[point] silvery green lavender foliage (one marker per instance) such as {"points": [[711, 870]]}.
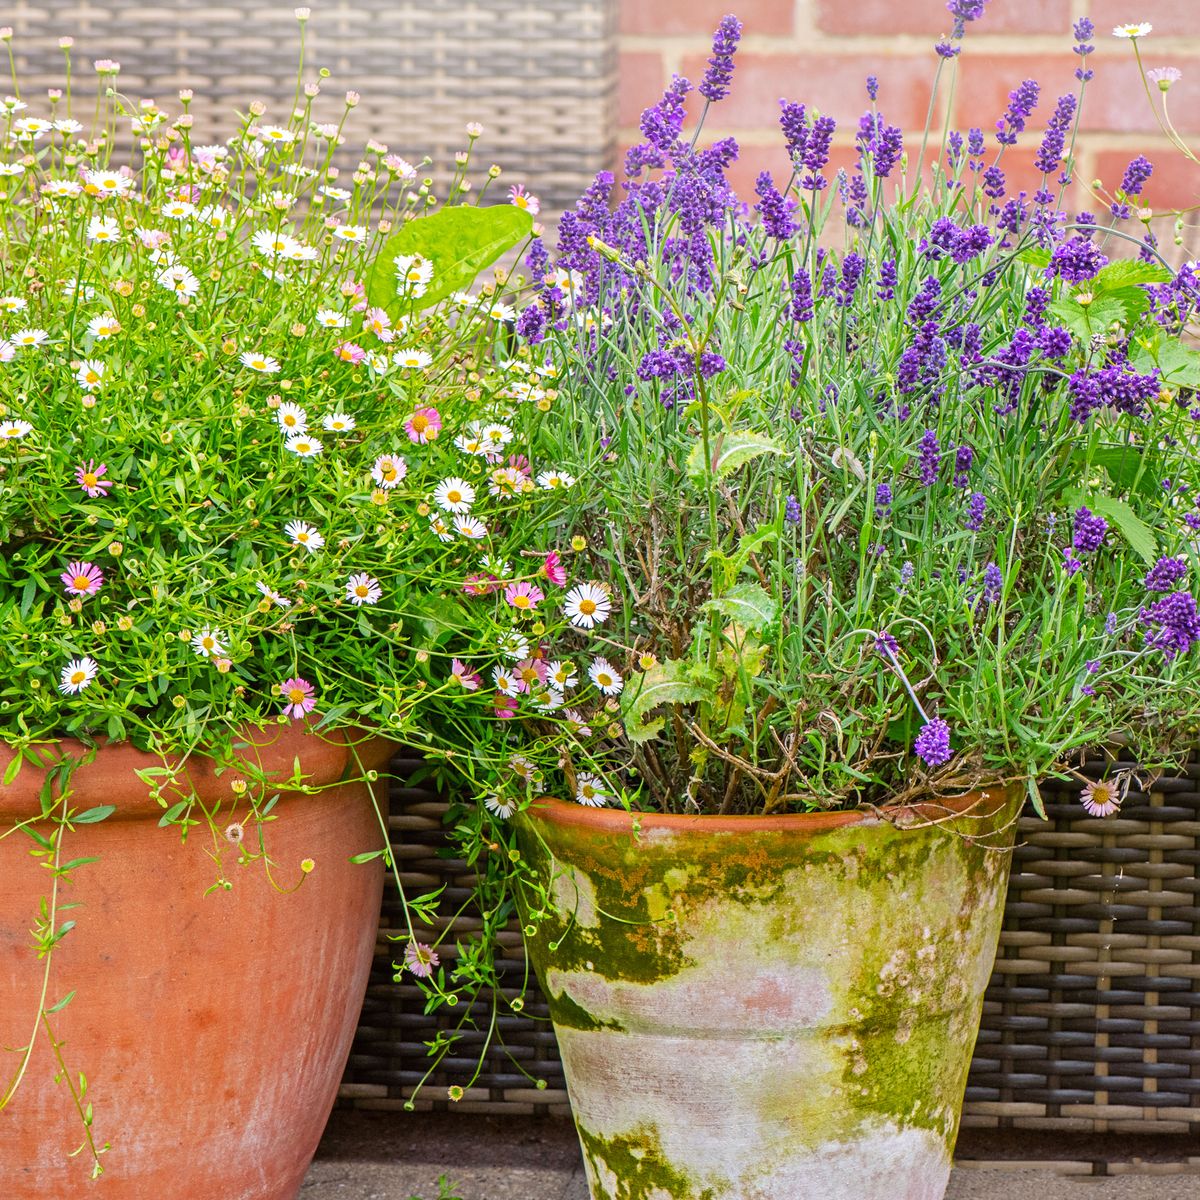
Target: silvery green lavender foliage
{"points": [[914, 515]]}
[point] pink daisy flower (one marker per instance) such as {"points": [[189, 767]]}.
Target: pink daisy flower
{"points": [[90, 478], [82, 579], [554, 570], [349, 352], [298, 697], [470, 680], [420, 959], [479, 584], [523, 596], [522, 199], [423, 425], [505, 706], [1100, 798]]}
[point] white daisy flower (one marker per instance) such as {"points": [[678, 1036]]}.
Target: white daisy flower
{"points": [[505, 481], [454, 495], [262, 363], [500, 567], [555, 479], [548, 700], [104, 327], [513, 645], [271, 244], [351, 233], [389, 470], [412, 359], [589, 791], [501, 807], [413, 273], [335, 193], [377, 362], [587, 605], [178, 279], [107, 183], [11, 170], [11, 430], [1133, 31], [506, 682], [213, 215], [606, 677], [303, 446], [31, 128], [376, 321], [7, 351], [291, 417], [329, 318], [104, 229], [90, 374], [77, 674], [470, 527], [13, 304], [300, 253], [577, 723], [274, 597], [438, 524], [304, 534], [362, 589], [67, 125], [273, 135], [562, 676], [178, 210], [502, 312], [497, 435], [61, 189], [28, 339], [207, 643], [73, 287], [337, 423]]}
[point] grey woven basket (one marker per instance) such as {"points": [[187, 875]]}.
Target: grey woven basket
{"points": [[1091, 1022], [540, 77]]}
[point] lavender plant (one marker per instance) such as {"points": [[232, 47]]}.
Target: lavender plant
{"points": [[889, 483]]}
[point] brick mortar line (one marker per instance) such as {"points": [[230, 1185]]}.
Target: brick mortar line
{"points": [[899, 45]]}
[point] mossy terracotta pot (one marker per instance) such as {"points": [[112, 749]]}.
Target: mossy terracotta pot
{"points": [[777, 1008], [212, 1029]]}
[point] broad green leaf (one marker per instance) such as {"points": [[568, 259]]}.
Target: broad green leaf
{"points": [[459, 241], [1178, 365], [93, 815], [664, 683], [13, 768], [1086, 321], [1126, 272], [1035, 257], [747, 605], [61, 1004], [366, 856], [730, 451], [1136, 532], [1123, 464]]}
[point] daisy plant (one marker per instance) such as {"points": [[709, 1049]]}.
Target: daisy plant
{"points": [[266, 456]]}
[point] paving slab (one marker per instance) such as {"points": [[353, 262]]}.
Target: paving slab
{"points": [[399, 1156]]}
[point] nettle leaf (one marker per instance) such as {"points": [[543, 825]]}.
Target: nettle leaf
{"points": [[1123, 464], [459, 241], [1084, 321], [1178, 365], [731, 451], [1127, 272], [1139, 535], [747, 605], [664, 683]]}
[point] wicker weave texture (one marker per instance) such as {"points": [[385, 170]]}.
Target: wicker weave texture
{"points": [[540, 77], [1091, 1022]]}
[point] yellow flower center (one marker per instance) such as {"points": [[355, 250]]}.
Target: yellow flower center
{"points": [[78, 677], [208, 643], [603, 679], [420, 422], [296, 696], [520, 601], [454, 496], [89, 480], [587, 606], [361, 590], [388, 471]]}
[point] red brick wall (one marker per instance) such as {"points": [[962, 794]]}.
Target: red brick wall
{"points": [[820, 51]]}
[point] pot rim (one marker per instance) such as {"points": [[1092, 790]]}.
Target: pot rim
{"points": [[325, 758], [981, 803]]}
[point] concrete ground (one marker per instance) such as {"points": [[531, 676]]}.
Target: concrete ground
{"points": [[369, 1156]]}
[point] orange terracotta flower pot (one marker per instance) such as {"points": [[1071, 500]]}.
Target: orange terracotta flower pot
{"points": [[212, 1029]]}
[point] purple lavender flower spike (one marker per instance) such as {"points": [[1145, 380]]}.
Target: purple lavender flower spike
{"points": [[1173, 624], [715, 84], [1089, 531], [1165, 574], [932, 744], [883, 499], [1076, 261], [931, 457], [773, 208], [1021, 103], [976, 508]]}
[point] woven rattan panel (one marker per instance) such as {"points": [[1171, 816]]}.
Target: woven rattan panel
{"points": [[1092, 1019], [540, 77]]}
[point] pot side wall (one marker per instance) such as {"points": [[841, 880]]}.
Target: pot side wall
{"points": [[766, 1012]]}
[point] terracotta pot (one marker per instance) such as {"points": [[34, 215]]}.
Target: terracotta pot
{"points": [[213, 1029], [767, 1008]]}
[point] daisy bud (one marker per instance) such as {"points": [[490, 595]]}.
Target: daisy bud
{"points": [[88, 401], [185, 94], [578, 543], [493, 171], [116, 549], [124, 623], [65, 43], [223, 665], [312, 90], [178, 701], [238, 787], [474, 130], [307, 865], [75, 605], [303, 13], [138, 310], [352, 99], [54, 94], [6, 34]]}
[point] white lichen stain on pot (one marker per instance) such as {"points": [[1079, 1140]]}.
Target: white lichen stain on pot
{"points": [[793, 1021]]}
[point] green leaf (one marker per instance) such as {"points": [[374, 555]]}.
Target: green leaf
{"points": [[459, 241], [172, 813], [1035, 796], [730, 451], [1126, 272], [664, 683], [13, 769], [1095, 318], [1123, 464], [61, 1004], [1035, 257], [366, 856], [95, 814], [747, 605], [1136, 532]]}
